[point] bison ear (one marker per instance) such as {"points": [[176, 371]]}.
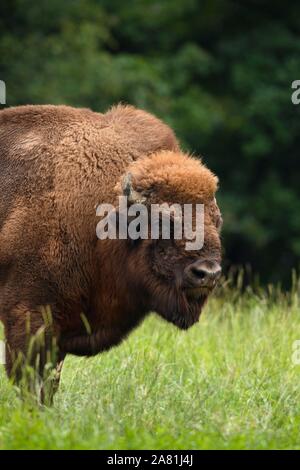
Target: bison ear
{"points": [[133, 196]]}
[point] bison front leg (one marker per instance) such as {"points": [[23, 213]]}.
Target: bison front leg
{"points": [[33, 361]]}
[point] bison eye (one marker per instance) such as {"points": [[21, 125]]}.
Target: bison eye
{"points": [[134, 243]]}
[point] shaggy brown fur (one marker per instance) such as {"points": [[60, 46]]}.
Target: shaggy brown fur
{"points": [[56, 165]]}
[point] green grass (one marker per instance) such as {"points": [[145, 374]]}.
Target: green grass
{"points": [[228, 383]]}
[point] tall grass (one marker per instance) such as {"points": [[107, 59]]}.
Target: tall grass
{"points": [[229, 382]]}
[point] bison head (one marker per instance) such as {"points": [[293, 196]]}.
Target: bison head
{"points": [[173, 281]]}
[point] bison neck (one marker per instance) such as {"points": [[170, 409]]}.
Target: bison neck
{"points": [[115, 307]]}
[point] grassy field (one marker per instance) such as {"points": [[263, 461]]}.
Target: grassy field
{"points": [[228, 383]]}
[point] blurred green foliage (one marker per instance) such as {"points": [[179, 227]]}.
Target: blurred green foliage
{"points": [[218, 71]]}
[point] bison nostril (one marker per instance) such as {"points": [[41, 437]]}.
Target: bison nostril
{"points": [[199, 273], [203, 273]]}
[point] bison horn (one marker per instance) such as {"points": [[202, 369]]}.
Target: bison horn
{"points": [[133, 196]]}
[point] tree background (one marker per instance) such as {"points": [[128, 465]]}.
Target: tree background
{"points": [[218, 71]]}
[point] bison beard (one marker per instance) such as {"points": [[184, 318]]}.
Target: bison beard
{"points": [[174, 306], [171, 304]]}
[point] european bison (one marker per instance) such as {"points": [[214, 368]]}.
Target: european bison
{"points": [[57, 164]]}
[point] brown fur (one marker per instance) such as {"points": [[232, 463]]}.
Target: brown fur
{"points": [[56, 165]]}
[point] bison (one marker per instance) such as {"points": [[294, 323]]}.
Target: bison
{"points": [[58, 281]]}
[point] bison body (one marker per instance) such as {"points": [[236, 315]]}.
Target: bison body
{"points": [[57, 164]]}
